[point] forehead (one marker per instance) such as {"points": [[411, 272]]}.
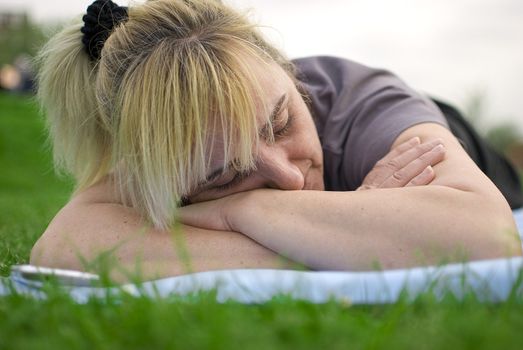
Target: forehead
{"points": [[273, 82]]}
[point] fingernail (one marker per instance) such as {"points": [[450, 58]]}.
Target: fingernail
{"points": [[415, 139], [439, 148]]}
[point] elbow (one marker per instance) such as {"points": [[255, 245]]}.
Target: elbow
{"points": [[506, 233], [494, 232], [471, 225]]}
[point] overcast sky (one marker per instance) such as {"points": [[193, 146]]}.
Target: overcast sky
{"points": [[448, 48]]}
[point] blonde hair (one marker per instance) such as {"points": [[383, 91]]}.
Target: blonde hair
{"points": [[174, 73]]}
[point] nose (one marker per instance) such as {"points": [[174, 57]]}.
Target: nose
{"points": [[278, 170]]}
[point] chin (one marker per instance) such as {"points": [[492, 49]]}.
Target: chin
{"points": [[314, 184], [320, 186]]}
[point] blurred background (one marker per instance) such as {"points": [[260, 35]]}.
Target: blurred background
{"points": [[466, 52]]}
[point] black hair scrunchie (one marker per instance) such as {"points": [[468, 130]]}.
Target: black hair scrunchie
{"points": [[102, 16]]}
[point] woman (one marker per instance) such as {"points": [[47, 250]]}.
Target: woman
{"points": [[183, 103]]}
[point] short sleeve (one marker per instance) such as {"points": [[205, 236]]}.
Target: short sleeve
{"points": [[359, 111]]}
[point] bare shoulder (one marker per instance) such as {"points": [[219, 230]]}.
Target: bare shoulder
{"points": [[96, 209], [93, 220]]}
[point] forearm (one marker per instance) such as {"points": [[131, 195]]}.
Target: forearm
{"points": [[190, 249], [391, 227], [81, 234]]}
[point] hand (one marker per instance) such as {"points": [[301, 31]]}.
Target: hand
{"points": [[213, 214], [409, 164]]}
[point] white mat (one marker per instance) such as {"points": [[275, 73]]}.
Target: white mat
{"points": [[490, 280]]}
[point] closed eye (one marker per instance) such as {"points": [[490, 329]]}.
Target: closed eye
{"points": [[284, 130], [240, 176], [237, 179]]}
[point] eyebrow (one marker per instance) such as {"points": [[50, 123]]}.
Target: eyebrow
{"points": [[275, 111]]}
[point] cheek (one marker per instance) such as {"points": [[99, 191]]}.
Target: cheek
{"points": [[305, 125], [305, 138]]}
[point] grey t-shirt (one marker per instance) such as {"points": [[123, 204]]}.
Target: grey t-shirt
{"points": [[359, 111]]}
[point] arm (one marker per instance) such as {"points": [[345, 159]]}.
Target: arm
{"points": [[81, 233], [90, 226], [461, 214]]}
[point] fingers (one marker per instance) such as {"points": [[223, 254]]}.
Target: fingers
{"points": [[414, 165], [398, 159], [410, 164], [405, 146], [387, 165], [426, 177], [407, 156]]}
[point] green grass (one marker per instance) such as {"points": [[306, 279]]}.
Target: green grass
{"points": [[30, 195]]}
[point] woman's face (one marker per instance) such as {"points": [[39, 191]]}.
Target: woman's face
{"points": [[293, 162]]}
